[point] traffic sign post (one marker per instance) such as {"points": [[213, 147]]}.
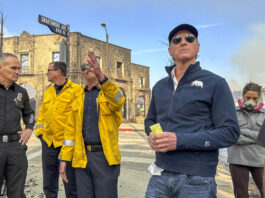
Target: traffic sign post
{"points": [[63, 30]]}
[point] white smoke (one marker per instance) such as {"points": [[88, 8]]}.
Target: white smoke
{"points": [[248, 60]]}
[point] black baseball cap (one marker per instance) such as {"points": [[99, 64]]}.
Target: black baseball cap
{"points": [[188, 27]]}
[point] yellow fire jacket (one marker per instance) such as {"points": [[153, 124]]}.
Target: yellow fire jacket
{"points": [[54, 112], [109, 105]]}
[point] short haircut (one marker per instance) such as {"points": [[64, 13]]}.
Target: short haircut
{"points": [[252, 87], [58, 65], [3, 57]]}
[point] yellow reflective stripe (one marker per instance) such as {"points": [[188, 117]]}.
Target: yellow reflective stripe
{"points": [[39, 126], [60, 157], [118, 96], [38, 134], [68, 142]]}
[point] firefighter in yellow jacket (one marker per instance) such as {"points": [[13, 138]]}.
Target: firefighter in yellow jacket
{"points": [[91, 136], [50, 127]]}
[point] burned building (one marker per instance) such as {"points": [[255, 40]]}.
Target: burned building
{"points": [[37, 51]]}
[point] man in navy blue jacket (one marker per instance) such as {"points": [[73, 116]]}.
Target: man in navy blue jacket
{"points": [[196, 111]]}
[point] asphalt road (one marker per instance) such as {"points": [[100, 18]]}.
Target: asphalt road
{"points": [[134, 177]]}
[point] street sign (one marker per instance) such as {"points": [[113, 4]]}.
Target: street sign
{"points": [[54, 26]]}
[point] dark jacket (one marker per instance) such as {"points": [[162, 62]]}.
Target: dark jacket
{"points": [[14, 102], [202, 114]]}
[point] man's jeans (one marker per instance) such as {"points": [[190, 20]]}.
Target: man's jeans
{"points": [[173, 185]]}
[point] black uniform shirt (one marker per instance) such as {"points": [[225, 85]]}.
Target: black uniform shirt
{"points": [[14, 102]]}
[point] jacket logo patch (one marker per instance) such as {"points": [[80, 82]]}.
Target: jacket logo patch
{"points": [[207, 144], [197, 83]]}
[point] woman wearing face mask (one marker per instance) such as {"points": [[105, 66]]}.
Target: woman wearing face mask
{"points": [[246, 156]]}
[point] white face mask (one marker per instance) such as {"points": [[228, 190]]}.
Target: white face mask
{"points": [[250, 105]]}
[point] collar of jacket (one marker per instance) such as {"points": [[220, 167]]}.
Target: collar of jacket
{"points": [[68, 84], [60, 86], [95, 87], [13, 86], [192, 68]]}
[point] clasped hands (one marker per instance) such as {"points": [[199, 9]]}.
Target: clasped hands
{"points": [[166, 141]]}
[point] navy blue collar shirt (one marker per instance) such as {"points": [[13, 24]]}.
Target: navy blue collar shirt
{"points": [[90, 117], [59, 88]]}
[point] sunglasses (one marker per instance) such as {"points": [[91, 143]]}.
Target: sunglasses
{"points": [[188, 37], [85, 66], [51, 70]]}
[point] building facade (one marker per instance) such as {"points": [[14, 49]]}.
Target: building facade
{"points": [[37, 51]]}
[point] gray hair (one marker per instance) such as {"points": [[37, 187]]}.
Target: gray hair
{"points": [[3, 57]]}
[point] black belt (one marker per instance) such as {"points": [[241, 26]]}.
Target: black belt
{"points": [[94, 148], [9, 138]]}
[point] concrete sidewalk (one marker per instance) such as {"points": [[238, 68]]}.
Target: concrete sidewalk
{"points": [[131, 126], [223, 178]]}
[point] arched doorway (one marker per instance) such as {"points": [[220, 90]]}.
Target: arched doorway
{"points": [[140, 106], [124, 108], [32, 94]]}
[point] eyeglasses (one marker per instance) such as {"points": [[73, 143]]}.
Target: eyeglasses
{"points": [[85, 66], [51, 70], [15, 68], [188, 37]]}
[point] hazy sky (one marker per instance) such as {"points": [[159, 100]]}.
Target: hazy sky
{"points": [[231, 32]]}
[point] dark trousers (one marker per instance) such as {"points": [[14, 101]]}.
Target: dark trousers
{"points": [[50, 168], [98, 179], [240, 178], [13, 168]]}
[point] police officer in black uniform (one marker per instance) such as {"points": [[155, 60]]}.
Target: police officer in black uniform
{"points": [[14, 103]]}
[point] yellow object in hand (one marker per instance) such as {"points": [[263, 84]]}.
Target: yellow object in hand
{"points": [[156, 128]]}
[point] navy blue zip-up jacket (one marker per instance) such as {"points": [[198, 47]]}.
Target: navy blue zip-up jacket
{"points": [[202, 114]]}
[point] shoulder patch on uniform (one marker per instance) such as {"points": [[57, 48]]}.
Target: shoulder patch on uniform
{"points": [[19, 97], [118, 96]]}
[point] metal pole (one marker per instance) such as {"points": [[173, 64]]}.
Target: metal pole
{"points": [[1, 40], [108, 62], [68, 50]]}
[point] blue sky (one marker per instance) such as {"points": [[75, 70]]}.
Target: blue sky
{"points": [[231, 32]]}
